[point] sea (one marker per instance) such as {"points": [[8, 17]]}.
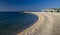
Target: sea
{"points": [[11, 22]]}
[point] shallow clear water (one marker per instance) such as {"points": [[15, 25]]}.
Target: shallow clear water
{"points": [[13, 21]]}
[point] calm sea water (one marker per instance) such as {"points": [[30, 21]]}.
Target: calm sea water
{"points": [[13, 21]]}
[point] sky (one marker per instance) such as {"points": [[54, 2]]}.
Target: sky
{"points": [[28, 5]]}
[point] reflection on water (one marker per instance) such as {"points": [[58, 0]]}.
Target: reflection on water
{"points": [[12, 21]]}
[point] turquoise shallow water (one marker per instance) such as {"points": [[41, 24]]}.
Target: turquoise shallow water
{"points": [[13, 21]]}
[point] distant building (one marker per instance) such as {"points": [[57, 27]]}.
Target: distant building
{"points": [[52, 10]]}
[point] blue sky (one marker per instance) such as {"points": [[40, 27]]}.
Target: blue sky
{"points": [[31, 5]]}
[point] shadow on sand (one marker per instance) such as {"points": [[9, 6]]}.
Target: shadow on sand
{"points": [[12, 23]]}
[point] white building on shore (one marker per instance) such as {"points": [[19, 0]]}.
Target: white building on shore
{"points": [[52, 10]]}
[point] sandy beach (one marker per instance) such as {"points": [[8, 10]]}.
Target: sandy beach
{"points": [[48, 24]]}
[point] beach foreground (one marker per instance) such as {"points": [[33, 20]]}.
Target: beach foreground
{"points": [[48, 24]]}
